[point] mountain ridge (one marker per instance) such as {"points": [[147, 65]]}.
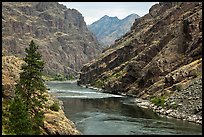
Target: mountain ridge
{"points": [[108, 29], [61, 33]]}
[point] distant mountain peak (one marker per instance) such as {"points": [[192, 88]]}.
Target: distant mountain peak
{"points": [[105, 16], [107, 29]]}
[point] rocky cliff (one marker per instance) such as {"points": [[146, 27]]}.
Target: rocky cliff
{"points": [[61, 33], [108, 29], [56, 123], [159, 57]]}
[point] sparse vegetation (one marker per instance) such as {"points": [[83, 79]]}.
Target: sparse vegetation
{"points": [[55, 107], [118, 75], [159, 101], [196, 73], [61, 77], [58, 77], [178, 87], [99, 83]]}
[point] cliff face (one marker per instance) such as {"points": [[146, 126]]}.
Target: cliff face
{"points": [[56, 123], [161, 54], [61, 33], [108, 29]]}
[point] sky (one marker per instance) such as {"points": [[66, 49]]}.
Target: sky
{"points": [[93, 11]]}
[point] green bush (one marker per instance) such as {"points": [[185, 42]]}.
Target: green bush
{"points": [[59, 77], [70, 77], [55, 107], [159, 101]]}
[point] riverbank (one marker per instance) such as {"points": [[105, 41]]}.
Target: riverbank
{"points": [[170, 113], [56, 122], [185, 104]]}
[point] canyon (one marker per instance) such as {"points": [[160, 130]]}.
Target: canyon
{"points": [[156, 60]]}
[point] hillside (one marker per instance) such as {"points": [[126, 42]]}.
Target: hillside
{"points": [[158, 58], [61, 33], [55, 121], [108, 29]]}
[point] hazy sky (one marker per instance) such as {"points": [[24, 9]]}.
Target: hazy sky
{"points": [[93, 11]]}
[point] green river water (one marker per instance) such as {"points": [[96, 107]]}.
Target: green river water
{"points": [[97, 113]]}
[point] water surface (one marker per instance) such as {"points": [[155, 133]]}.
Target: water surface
{"points": [[97, 113]]}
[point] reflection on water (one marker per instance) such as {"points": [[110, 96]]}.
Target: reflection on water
{"points": [[113, 116], [106, 114]]}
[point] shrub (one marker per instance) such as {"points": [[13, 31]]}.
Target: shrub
{"points": [[55, 107], [117, 75], [99, 83], [59, 77], [70, 77], [159, 101]]}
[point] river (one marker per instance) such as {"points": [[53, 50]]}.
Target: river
{"points": [[97, 113]]}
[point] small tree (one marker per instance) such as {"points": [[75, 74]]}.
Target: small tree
{"points": [[30, 89]]}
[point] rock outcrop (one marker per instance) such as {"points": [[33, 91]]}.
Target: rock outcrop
{"points": [[108, 29], [61, 33], [161, 54], [56, 123]]}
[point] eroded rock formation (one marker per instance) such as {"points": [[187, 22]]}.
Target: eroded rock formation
{"points": [[61, 33]]}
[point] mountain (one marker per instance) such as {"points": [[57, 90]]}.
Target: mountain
{"points": [[61, 34], [161, 57], [108, 29]]}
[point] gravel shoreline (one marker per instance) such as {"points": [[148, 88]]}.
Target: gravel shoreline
{"points": [[185, 104], [168, 112]]}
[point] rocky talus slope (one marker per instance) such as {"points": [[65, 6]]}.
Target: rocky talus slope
{"points": [[185, 104], [61, 33], [159, 56], [56, 123], [108, 29]]}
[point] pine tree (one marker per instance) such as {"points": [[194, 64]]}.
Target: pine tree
{"points": [[19, 120], [30, 89]]}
